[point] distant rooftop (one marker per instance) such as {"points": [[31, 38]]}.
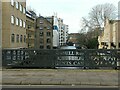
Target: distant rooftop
{"points": [[31, 14]]}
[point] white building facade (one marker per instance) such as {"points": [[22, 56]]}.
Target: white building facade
{"points": [[55, 32], [63, 32], [66, 33], [60, 32]]}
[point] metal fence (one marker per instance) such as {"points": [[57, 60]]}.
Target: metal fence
{"points": [[87, 58]]}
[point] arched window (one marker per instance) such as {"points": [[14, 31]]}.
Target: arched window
{"points": [[24, 24], [21, 38], [20, 7], [20, 22], [48, 40], [17, 5], [17, 38], [12, 38], [24, 10], [48, 47], [12, 2], [17, 21], [12, 19]]}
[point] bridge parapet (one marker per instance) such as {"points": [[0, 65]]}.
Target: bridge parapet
{"points": [[87, 58]]}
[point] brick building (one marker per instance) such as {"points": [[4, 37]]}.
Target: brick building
{"points": [[44, 33], [30, 29], [14, 24]]}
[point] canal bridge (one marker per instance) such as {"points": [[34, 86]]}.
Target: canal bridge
{"points": [[81, 58]]}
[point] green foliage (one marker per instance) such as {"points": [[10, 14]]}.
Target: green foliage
{"points": [[92, 43], [86, 40]]}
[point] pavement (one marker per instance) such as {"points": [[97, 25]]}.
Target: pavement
{"points": [[60, 77]]}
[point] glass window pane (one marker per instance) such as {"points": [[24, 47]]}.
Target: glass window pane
{"points": [[20, 22], [17, 5], [24, 11], [20, 7], [17, 21], [24, 24], [12, 2], [12, 38], [12, 19], [17, 38]]}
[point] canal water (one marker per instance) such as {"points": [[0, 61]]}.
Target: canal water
{"points": [[68, 47]]}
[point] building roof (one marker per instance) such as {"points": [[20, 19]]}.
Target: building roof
{"points": [[31, 14]]}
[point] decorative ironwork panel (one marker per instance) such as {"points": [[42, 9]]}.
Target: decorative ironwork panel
{"points": [[70, 58], [101, 58], [61, 58]]}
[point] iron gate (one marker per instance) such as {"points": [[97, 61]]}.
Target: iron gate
{"points": [[31, 58]]}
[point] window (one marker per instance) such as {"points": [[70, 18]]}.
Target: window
{"points": [[12, 19], [29, 26], [24, 10], [41, 46], [20, 22], [113, 45], [41, 33], [55, 28], [48, 46], [21, 38], [102, 43], [41, 22], [48, 27], [48, 33], [24, 24], [20, 7], [12, 2], [41, 28], [12, 38], [17, 38], [17, 4], [29, 44], [24, 38], [17, 21], [48, 40]]}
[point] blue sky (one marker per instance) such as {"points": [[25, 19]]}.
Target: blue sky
{"points": [[71, 11]]}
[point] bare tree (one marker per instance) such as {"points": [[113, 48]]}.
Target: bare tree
{"points": [[92, 24], [97, 15]]}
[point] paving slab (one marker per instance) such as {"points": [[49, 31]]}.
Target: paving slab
{"points": [[59, 77], [50, 82]]}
